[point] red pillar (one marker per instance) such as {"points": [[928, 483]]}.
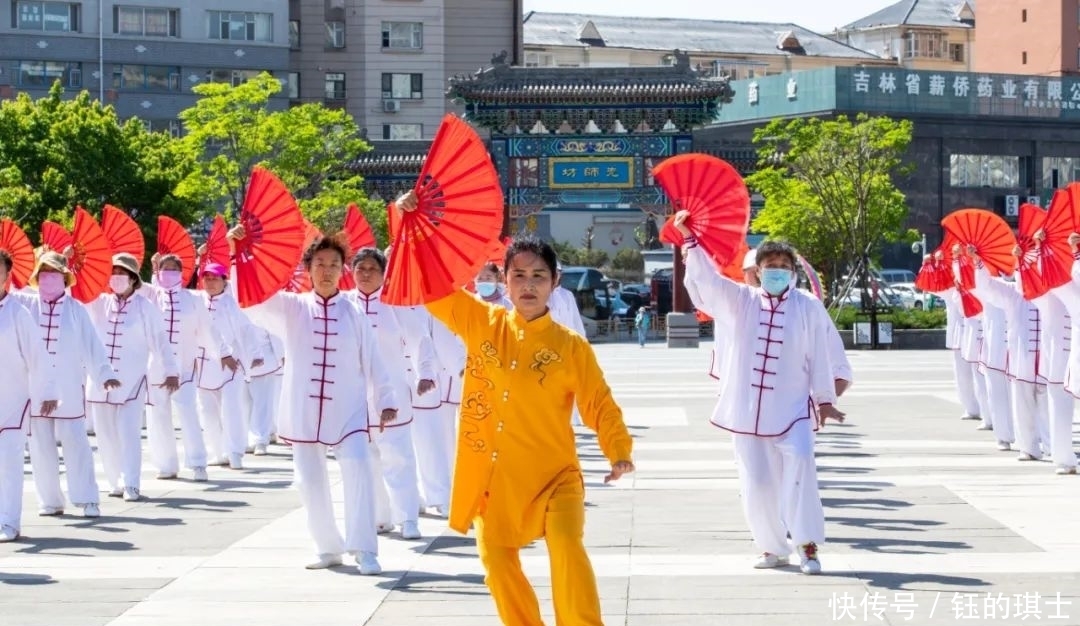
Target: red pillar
{"points": [[680, 300]]}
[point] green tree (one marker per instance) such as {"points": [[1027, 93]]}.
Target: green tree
{"points": [[628, 259], [56, 154], [309, 147], [829, 185]]}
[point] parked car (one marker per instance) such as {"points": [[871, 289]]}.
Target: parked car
{"points": [[896, 276], [915, 298]]}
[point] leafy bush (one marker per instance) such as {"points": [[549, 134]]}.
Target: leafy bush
{"points": [[628, 259], [902, 319]]}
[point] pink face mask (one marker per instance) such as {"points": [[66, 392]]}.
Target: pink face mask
{"points": [[169, 279], [50, 285]]}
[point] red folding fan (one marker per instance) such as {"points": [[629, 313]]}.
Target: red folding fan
{"points": [[988, 233], [92, 261], [1073, 191], [14, 240], [715, 196], [972, 306], [670, 234], [55, 237], [497, 255], [122, 233], [734, 268], [273, 243], [217, 247], [1055, 253], [393, 223], [935, 276], [443, 243], [172, 238], [300, 281], [1032, 219], [360, 236]]}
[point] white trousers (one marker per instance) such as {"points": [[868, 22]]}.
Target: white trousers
{"points": [[119, 441], [78, 461], [778, 480], [261, 400], [982, 398], [313, 482], [965, 384], [395, 481], [224, 420], [435, 443], [162, 436], [1060, 406], [12, 443], [1029, 412], [999, 401]]}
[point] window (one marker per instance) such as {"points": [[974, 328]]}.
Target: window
{"points": [[335, 86], [233, 77], [1023, 57], [45, 73], [57, 17], [403, 35], [146, 21], [524, 172], [1023, 15], [984, 170], [335, 34], [146, 77], [402, 86], [294, 85], [535, 59], [239, 26], [956, 52], [402, 132], [924, 44], [294, 34], [1058, 172]]}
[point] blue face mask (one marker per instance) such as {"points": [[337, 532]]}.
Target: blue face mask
{"points": [[486, 290], [775, 280]]}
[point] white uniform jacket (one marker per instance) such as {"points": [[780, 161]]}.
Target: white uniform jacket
{"points": [[1023, 321], [236, 331], [24, 365], [188, 325], [134, 337]]}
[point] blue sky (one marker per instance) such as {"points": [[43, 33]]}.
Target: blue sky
{"points": [[815, 15]]}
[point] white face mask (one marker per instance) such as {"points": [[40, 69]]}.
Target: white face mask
{"points": [[119, 284]]}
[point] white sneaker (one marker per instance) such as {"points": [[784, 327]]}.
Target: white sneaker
{"points": [[1065, 470], [131, 494], [166, 476], [410, 530], [236, 461], [368, 564], [382, 529], [442, 511], [200, 475], [1004, 446], [260, 450], [808, 560], [91, 510], [326, 561], [7, 533], [116, 492], [984, 427], [50, 511], [1024, 456], [769, 561]]}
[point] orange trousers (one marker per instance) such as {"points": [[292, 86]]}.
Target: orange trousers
{"points": [[574, 593]]}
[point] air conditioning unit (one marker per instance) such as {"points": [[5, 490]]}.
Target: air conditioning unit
{"points": [[1012, 206], [391, 106]]}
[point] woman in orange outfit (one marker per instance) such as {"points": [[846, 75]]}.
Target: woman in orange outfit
{"points": [[517, 476]]}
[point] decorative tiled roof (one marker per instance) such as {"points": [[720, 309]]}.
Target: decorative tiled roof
{"points": [[388, 164], [696, 36], [936, 13]]}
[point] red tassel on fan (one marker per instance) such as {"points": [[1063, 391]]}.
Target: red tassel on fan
{"points": [[440, 247], [972, 305], [1055, 254], [714, 194], [988, 233], [1032, 219], [172, 238]]}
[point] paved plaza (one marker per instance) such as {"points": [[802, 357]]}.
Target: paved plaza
{"points": [[927, 524]]}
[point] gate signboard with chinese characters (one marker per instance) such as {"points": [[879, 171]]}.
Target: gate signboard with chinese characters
{"points": [[591, 173]]}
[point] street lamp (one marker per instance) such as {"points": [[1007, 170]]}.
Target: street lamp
{"points": [[919, 247]]}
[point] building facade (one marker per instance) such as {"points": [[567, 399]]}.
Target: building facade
{"points": [[980, 140], [1044, 37], [387, 62], [148, 55], [716, 48], [921, 34]]}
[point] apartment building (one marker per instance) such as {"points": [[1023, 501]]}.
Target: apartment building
{"points": [[1043, 37], [387, 61], [141, 56], [920, 34]]}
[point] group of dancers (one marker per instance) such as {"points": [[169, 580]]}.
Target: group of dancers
{"points": [[1016, 361]]}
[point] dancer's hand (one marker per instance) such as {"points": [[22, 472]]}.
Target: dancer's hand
{"points": [[229, 363], [618, 469], [171, 384], [424, 386], [840, 386], [387, 416], [829, 412], [47, 407], [407, 201], [680, 222], [1074, 241]]}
